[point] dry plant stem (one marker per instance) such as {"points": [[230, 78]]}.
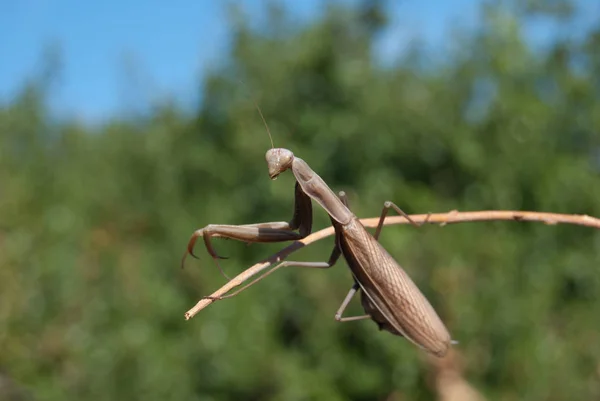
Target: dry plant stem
{"points": [[433, 218]]}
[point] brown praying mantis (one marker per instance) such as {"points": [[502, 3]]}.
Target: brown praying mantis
{"points": [[388, 295]]}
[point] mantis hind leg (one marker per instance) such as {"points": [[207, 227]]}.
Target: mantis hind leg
{"points": [[342, 308]]}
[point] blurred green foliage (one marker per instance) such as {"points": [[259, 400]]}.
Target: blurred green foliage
{"points": [[93, 221]]}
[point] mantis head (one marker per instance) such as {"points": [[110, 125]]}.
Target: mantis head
{"points": [[278, 160]]}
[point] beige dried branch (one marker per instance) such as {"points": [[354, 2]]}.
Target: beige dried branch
{"points": [[433, 218]]}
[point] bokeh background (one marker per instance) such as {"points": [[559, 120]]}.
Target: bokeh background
{"points": [[125, 127]]}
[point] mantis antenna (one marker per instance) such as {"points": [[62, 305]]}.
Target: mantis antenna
{"points": [[265, 122]]}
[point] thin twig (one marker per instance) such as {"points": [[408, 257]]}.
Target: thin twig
{"points": [[433, 218]]}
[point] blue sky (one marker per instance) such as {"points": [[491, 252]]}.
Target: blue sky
{"points": [[116, 53]]}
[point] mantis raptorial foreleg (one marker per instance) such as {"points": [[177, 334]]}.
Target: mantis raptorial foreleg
{"points": [[278, 231], [333, 258]]}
